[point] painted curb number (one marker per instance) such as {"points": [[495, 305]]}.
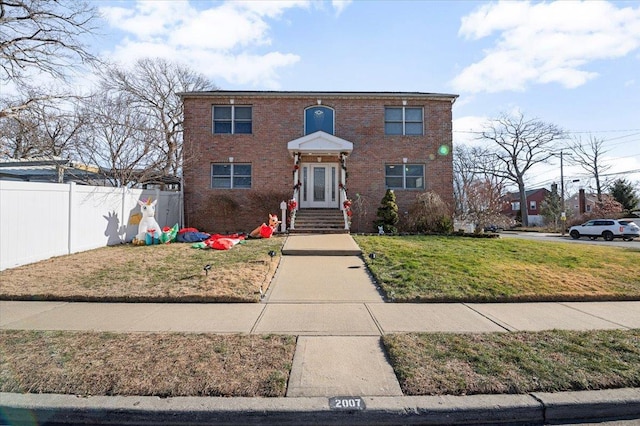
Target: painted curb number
{"points": [[346, 403]]}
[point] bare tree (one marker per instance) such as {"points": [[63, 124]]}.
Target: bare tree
{"points": [[478, 193], [42, 128], [464, 172], [518, 145], [588, 155], [115, 139], [485, 204], [41, 36], [152, 87]]}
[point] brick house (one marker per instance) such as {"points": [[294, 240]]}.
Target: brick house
{"points": [[247, 151], [534, 201]]}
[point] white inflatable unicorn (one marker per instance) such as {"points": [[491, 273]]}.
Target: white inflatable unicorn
{"points": [[148, 220]]}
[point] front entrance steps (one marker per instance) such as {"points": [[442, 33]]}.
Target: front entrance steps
{"points": [[319, 221]]}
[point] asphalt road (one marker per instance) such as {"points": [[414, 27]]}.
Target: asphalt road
{"points": [[542, 236]]}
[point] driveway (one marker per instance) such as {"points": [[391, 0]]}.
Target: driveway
{"points": [[544, 236]]}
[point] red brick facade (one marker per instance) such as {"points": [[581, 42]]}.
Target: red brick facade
{"points": [[277, 119]]}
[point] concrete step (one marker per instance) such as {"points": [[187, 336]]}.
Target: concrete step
{"points": [[319, 221]]}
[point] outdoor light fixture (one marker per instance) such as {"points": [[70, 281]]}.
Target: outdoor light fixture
{"points": [[231, 159], [404, 160], [272, 253], [206, 269], [231, 101]]}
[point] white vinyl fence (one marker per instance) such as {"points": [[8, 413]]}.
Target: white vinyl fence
{"points": [[42, 220]]}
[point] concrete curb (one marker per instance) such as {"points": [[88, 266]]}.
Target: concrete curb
{"points": [[539, 408]]}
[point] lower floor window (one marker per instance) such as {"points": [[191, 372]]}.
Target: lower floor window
{"points": [[404, 176], [230, 175]]}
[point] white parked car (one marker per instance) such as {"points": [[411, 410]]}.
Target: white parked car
{"points": [[607, 229]]}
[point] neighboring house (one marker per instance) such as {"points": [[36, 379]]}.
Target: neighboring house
{"points": [[247, 151], [534, 201], [58, 170], [581, 203]]}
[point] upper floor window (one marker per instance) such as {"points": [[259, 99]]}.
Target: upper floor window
{"points": [[318, 118], [231, 175], [404, 176], [403, 121], [532, 205], [232, 119], [515, 205]]}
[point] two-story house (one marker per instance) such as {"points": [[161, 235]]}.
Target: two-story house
{"points": [[535, 197], [247, 151]]}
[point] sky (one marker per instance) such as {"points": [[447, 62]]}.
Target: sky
{"points": [[573, 64]]}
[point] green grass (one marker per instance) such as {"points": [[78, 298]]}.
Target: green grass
{"points": [[430, 268], [517, 363]]}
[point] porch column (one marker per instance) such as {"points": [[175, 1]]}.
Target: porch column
{"points": [[343, 179], [296, 176], [296, 189]]}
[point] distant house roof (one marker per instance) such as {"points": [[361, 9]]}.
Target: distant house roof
{"points": [[515, 196], [57, 170], [49, 170]]}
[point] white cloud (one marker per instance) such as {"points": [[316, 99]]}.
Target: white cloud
{"points": [[466, 129], [340, 5], [229, 40], [545, 43]]}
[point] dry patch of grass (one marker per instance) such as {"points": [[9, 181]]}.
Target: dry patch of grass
{"points": [[159, 273], [523, 362], [429, 268], [165, 365]]}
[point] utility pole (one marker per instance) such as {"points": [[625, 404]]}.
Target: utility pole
{"points": [[563, 213]]}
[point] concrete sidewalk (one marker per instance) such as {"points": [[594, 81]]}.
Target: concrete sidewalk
{"points": [[324, 318], [323, 293]]}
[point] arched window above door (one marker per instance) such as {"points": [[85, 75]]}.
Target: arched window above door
{"points": [[319, 118]]}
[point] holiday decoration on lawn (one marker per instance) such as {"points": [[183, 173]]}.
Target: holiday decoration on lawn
{"points": [[149, 232], [148, 223], [264, 230]]}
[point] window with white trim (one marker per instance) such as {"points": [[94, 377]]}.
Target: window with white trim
{"points": [[403, 121], [232, 119], [231, 176], [404, 176], [532, 205]]}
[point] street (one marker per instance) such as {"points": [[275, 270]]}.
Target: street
{"points": [[545, 236]]}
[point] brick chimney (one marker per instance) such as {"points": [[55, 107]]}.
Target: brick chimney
{"points": [[582, 201]]}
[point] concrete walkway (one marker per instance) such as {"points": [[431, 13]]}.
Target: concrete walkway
{"points": [[323, 293]]}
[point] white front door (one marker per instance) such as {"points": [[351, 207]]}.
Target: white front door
{"points": [[319, 185]]}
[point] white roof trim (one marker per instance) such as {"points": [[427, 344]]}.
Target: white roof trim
{"points": [[318, 143]]}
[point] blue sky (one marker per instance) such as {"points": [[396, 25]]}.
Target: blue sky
{"points": [[574, 64]]}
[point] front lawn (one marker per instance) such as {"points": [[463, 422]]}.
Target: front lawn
{"points": [[180, 364], [159, 273], [520, 363], [434, 269], [163, 364]]}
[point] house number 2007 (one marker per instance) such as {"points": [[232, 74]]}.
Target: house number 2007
{"points": [[346, 403]]}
